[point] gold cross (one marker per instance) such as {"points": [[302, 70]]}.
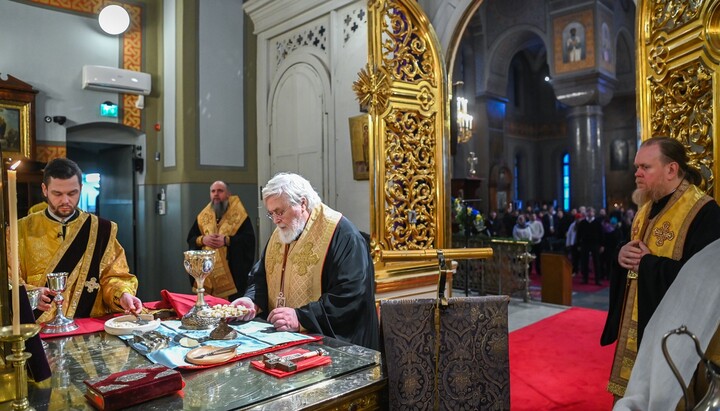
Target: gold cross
{"points": [[92, 285], [305, 258], [663, 234]]}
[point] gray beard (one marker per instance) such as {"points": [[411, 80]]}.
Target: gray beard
{"points": [[220, 209], [292, 232]]}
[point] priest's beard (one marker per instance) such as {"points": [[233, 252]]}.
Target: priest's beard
{"points": [[640, 196], [292, 231], [220, 209]]}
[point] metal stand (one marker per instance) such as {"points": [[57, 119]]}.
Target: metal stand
{"points": [[18, 358], [526, 257], [468, 229]]}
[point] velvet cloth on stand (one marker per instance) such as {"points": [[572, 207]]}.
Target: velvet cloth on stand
{"points": [[473, 371]]}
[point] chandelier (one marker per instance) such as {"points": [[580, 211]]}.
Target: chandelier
{"points": [[464, 121]]}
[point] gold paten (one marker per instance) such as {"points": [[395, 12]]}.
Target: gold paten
{"points": [[678, 57]]}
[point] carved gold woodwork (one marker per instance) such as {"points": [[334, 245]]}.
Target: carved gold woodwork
{"points": [[678, 58], [403, 88]]}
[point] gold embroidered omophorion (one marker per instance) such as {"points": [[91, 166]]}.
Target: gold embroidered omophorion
{"points": [[665, 236], [305, 258], [220, 282]]}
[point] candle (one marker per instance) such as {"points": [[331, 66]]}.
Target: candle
{"points": [[14, 260]]}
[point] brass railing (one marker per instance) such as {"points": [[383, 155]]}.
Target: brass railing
{"points": [[505, 273]]}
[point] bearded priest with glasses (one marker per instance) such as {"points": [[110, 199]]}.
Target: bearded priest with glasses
{"points": [[316, 273]]}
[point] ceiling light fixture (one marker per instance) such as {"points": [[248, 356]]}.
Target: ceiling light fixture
{"points": [[114, 19]]}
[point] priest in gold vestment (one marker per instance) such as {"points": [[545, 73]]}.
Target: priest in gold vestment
{"points": [[316, 273], [674, 222], [65, 238], [223, 225]]}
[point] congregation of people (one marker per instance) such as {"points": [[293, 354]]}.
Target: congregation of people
{"points": [[589, 238]]}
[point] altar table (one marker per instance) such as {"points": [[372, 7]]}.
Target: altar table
{"points": [[354, 380]]}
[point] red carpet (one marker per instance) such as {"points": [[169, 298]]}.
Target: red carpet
{"points": [[558, 363]]}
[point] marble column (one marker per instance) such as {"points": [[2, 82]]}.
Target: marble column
{"points": [[587, 175]]}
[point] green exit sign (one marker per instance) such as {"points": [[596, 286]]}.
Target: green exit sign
{"points": [[108, 109]]}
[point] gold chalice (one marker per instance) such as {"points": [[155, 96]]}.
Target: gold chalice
{"points": [[60, 324], [199, 264]]}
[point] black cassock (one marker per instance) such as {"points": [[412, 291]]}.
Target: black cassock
{"points": [[346, 308], [656, 274]]}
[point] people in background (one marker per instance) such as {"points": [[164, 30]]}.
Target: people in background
{"points": [[675, 220], [537, 234], [316, 273], [223, 225], [589, 242], [521, 231], [64, 238]]}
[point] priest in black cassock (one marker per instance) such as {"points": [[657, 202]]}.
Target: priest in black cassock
{"points": [[316, 273], [675, 221]]}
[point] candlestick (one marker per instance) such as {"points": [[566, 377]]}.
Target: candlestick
{"points": [[14, 260]]}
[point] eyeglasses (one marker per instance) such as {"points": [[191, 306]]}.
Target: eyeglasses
{"points": [[272, 214]]}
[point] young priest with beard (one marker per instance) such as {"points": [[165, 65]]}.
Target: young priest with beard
{"points": [[223, 225], [316, 273], [675, 220]]}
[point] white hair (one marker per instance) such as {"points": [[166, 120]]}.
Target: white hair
{"points": [[293, 187]]}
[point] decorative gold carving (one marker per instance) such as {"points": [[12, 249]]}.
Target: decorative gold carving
{"points": [[658, 56], [682, 108], [668, 15], [405, 53], [410, 181], [404, 90], [372, 90]]}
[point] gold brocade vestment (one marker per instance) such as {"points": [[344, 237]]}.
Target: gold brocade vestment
{"points": [[665, 236], [305, 260], [42, 245], [220, 282]]}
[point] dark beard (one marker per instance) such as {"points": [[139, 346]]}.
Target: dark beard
{"points": [[220, 209]]}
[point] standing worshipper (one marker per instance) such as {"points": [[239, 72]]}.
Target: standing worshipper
{"points": [[316, 273], [675, 220], [63, 238], [223, 225], [589, 241], [538, 233]]}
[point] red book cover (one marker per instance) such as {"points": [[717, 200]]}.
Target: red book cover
{"points": [[125, 388]]}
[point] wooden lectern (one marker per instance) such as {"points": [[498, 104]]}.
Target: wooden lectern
{"points": [[556, 279]]}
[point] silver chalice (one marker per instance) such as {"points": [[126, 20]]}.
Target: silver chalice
{"points": [[60, 324], [199, 264]]}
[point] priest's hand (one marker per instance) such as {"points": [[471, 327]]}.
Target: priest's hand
{"points": [[214, 240], [46, 297], [247, 303], [130, 303], [284, 319], [631, 253]]}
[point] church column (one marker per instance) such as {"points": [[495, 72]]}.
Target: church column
{"points": [[587, 175]]}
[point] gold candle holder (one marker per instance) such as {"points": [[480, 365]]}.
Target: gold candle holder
{"points": [[18, 358]]}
